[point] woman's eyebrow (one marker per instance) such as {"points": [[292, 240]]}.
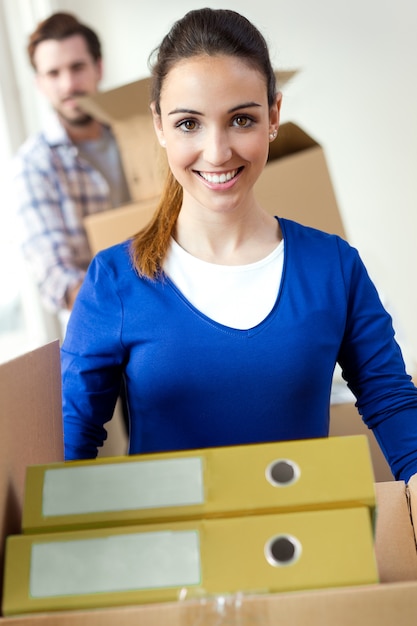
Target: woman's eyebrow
{"points": [[188, 111], [244, 105]]}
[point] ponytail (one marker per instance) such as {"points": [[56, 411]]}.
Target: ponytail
{"points": [[150, 245]]}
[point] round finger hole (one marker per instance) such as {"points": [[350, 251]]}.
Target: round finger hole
{"points": [[282, 550], [282, 472]]}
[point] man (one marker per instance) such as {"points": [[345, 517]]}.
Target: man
{"points": [[70, 169]]}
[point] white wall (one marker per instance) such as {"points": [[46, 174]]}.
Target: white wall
{"points": [[356, 94]]}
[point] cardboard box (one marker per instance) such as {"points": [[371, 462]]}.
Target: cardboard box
{"points": [[395, 534], [371, 605], [126, 110], [296, 182], [30, 428], [31, 384], [116, 225]]}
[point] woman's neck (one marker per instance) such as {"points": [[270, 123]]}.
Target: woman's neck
{"points": [[226, 239]]}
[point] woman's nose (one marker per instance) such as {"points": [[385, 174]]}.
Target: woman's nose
{"points": [[217, 147]]}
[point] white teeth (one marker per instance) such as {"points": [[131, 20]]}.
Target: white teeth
{"points": [[218, 178]]}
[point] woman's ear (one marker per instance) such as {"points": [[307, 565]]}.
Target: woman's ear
{"points": [[157, 124], [274, 115]]}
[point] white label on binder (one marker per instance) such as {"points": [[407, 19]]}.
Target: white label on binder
{"points": [[123, 486], [125, 562]]}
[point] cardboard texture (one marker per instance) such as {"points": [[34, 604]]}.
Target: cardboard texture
{"points": [[30, 427], [371, 605], [334, 472], [394, 538], [151, 563], [296, 183], [116, 225], [126, 110], [412, 490]]}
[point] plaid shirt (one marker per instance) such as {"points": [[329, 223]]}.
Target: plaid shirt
{"points": [[54, 190]]}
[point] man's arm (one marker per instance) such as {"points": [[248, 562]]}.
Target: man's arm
{"points": [[55, 250]]}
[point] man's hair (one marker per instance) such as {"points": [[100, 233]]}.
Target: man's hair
{"points": [[60, 26]]}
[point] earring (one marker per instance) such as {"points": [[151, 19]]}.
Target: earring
{"points": [[273, 135], [163, 143]]}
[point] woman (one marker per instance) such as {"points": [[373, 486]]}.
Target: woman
{"points": [[224, 322]]}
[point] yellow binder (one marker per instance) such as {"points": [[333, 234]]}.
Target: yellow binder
{"points": [[238, 480], [161, 562]]}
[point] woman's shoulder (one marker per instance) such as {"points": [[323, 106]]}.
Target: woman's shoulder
{"points": [[319, 249], [292, 227], [297, 233], [115, 258]]}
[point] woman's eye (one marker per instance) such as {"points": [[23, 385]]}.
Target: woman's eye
{"points": [[243, 121], [187, 125]]}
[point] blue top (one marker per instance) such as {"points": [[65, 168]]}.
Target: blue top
{"points": [[194, 383]]}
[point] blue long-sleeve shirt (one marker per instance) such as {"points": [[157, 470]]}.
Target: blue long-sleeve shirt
{"points": [[193, 383]]}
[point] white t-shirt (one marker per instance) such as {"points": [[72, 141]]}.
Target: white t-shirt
{"points": [[238, 296]]}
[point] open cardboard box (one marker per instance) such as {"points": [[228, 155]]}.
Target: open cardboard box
{"points": [[30, 428], [31, 433]]}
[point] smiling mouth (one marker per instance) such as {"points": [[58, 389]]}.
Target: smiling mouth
{"points": [[219, 178]]}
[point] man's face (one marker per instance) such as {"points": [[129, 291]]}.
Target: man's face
{"points": [[65, 70]]}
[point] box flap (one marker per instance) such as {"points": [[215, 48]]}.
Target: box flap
{"points": [[412, 499], [373, 605], [394, 542], [292, 139], [283, 77], [30, 427], [296, 182], [126, 110], [123, 102]]}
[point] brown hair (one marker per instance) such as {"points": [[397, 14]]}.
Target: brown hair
{"points": [[201, 31], [59, 26]]}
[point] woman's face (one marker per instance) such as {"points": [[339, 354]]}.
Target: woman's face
{"points": [[215, 124]]}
